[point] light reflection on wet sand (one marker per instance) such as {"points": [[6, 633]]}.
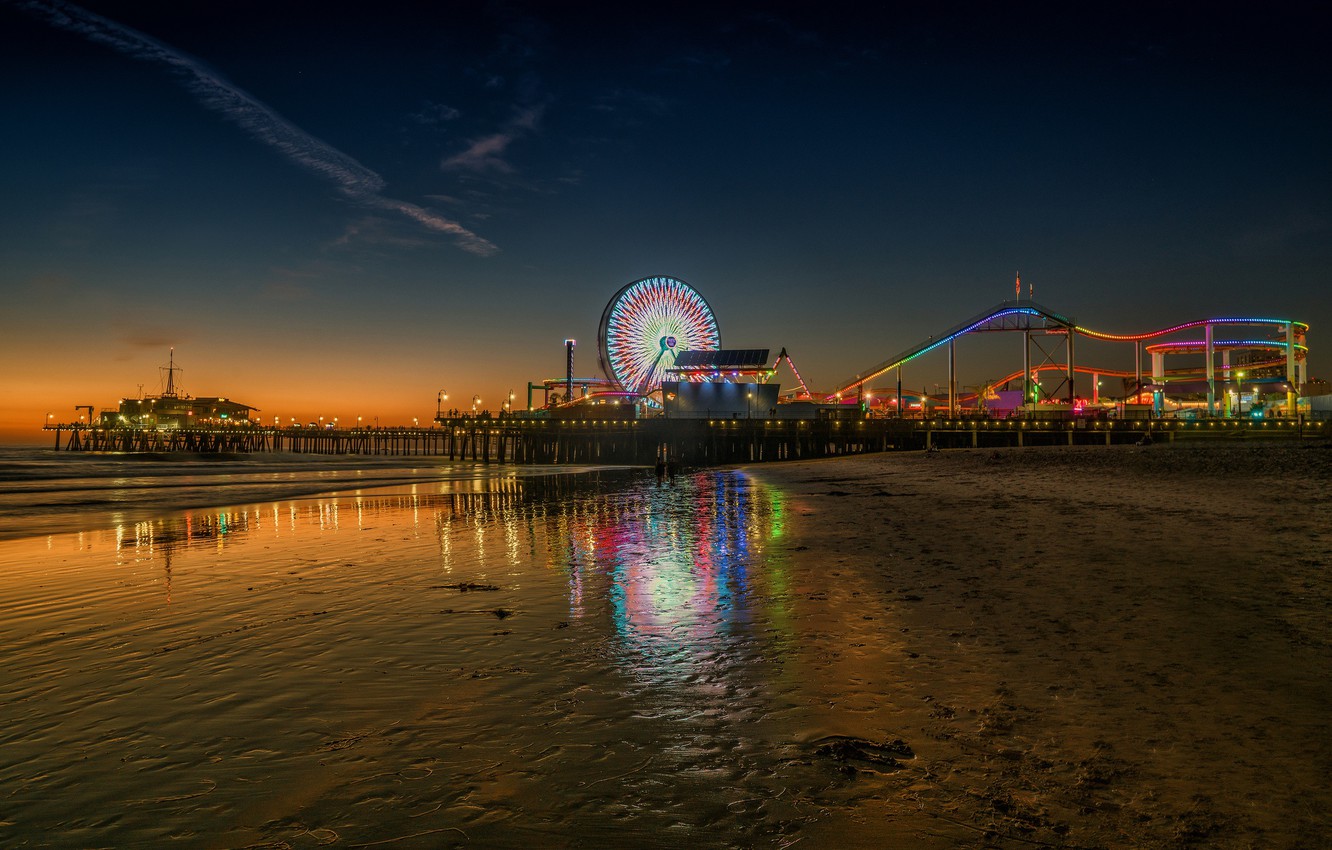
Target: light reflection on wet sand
{"points": [[553, 661]]}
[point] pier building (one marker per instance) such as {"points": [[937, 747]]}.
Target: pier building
{"points": [[174, 410]]}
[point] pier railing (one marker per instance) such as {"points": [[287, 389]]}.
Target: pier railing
{"points": [[646, 441]]}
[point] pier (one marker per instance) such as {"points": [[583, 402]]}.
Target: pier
{"points": [[645, 441]]}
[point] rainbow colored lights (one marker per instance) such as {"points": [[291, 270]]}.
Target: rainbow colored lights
{"points": [[1054, 323], [645, 324], [1232, 320], [1222, 345]]}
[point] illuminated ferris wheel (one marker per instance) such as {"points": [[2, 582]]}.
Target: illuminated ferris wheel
{"points": [[645, 324]]}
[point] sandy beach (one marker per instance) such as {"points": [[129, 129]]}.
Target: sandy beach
{"points": [[1090, 648], [1085, 648]]}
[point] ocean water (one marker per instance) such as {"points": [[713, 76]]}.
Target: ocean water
{"points": [[44, 491], [584, 659]]}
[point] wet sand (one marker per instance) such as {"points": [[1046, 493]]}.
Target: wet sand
{"points": [[1072, 647], [1085, 647]]}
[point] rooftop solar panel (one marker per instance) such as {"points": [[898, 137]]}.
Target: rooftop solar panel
{"points": [[721, 358]]}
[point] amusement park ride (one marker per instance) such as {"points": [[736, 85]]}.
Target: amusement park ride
{"points": [[653, 331]]}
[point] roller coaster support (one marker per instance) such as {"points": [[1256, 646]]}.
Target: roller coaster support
{"points": [[1137, 372], [1211, 370], [899, 390], [1292, 377], [1026, 367], [1158, 378], [952, 378], [1071, 397]]}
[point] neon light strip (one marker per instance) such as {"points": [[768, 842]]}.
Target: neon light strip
{"points": [[968, 329], [1231, 320], [1227, 320], [1220, 344], [791, 363], [999, 315], [1173, 374]]}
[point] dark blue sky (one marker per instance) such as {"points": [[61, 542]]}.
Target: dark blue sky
{"points": [[317, 201]]}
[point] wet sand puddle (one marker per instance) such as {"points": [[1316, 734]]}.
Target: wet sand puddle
{"points": [[554, 664]]}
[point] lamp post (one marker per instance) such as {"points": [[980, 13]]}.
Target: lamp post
{"points": [[439, 403], [749, 404], [476, 399], [48, 419]]}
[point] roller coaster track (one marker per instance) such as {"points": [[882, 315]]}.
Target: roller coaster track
{"points": [[1027, 315], [1062, 368]]}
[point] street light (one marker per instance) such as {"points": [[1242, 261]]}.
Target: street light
{"points": [[476, 399], [439, 403], [749, 404]]}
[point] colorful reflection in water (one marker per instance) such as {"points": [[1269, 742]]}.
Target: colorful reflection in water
{"points": [[670, 563], [679, 568]]}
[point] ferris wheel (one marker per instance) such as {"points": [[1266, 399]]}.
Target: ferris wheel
{"points": [[645, 324]]}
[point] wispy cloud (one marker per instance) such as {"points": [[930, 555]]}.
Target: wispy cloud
{"points": [[151, 337], [433, 114], [356, 182], [486, 154], [373, 230]]}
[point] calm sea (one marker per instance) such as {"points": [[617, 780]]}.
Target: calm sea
{"points": [[44, 491]]}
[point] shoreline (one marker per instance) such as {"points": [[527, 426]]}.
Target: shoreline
{"points": [[97, 492]]}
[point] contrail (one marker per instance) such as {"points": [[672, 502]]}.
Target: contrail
{"points": [[353, 180]]}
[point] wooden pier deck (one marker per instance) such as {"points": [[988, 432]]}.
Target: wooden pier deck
{"points": [[645, 441]]}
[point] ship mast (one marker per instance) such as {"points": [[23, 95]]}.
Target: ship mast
{"points": [[171, 371]]}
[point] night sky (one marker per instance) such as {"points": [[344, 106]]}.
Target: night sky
{"points": [[340, 210]]}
